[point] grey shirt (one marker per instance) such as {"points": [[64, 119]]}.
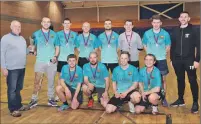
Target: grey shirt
{"points": [[13, 52], [135, 44]]}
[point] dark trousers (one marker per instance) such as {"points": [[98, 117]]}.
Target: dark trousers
{"points": [[15, 80], [180, 66]]}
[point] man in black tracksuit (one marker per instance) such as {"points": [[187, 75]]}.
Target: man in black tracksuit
{"points": [[184, 41]]}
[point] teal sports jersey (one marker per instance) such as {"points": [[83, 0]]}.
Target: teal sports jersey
{"points": [[150, 80], [156, 43], [125, 78], [86, 44], [96, 76], [109, 50], [45, 50], [67, 44], [68, 76]]}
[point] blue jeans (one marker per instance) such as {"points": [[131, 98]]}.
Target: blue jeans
{"points": [[15, 80]]}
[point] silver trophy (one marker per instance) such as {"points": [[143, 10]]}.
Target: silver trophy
{"points": [[31, 47]]}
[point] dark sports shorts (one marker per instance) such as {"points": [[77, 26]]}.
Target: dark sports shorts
{"points": [[82, 61], [119, 102], [111, 66], [134, 63], [146, 103], [100, 92], [60, 65], [79, 96], [162, 66]]}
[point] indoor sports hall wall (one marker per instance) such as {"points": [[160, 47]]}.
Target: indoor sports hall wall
{"points": [[29, 13]]}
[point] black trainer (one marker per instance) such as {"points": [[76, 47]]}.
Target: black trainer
{"points": [[177, 103], [195, 107]]}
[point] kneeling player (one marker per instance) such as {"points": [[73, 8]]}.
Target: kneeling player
{"points": [[71, 80], [125, 81], [150, 86], [96, 80]]}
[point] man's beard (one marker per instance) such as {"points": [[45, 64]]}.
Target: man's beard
{"points": [[108, 28], [93, 63]]}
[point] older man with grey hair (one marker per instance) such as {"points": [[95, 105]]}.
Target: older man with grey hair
{"points": [[13, 62]]}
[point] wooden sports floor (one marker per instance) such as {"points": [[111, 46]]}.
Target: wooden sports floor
{"points": [[44, 114]]}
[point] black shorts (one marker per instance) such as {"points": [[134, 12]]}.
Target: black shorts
{"points": [[82, 61], [162, 66], [60, 65], [146, 103], [79, 96], [134, 63], [119, 102], [111, 66], [100, 92]]}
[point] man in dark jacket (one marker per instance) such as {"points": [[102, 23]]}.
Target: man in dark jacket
{"points": [[184, 41]]}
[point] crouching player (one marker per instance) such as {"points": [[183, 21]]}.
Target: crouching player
{"points": [[96, 80], [150, 86], [71, 80], [125, 81]]}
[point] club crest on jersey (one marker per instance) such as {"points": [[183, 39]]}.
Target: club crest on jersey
{"points": [[161, 36], [129, 73], [52, 36], [76, 76], [72, 36], [187, 35], [98, 70], [113, 37]]}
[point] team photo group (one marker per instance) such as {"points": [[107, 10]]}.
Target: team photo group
{"points": [[86, 64]]}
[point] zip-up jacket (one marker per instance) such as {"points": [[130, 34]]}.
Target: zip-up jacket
{"points": [[184, 42]]}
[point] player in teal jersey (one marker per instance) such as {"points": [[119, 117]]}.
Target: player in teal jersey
{"points": [[150, 85], [71, 80], [85, 43], [125, 81], [47, 45], [96, 80], [109, 46]]}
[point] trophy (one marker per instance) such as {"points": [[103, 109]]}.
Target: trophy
{"points": [[31, 47]]}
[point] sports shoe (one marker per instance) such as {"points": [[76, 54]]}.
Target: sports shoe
{"points": [[90, 103], [177, 103], [63, 107], [131, 107], [52, 103], [32, 103], [195, 107]]}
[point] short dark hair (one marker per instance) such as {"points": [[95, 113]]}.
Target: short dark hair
{"points": [[128, 20], [67, 19], [152, 55], [125, 52], [71, 56], [156, 17], [184, 12], [108, 20]]}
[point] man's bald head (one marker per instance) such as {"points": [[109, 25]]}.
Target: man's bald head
{"points": [[15, 27]]}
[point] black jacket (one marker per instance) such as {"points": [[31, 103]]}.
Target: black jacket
{"points": [[184, 42]]}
